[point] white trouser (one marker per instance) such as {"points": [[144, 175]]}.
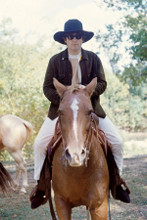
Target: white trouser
{"points": [[46, 133]]}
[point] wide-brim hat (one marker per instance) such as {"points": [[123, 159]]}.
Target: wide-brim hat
{"points": [[72, 26]]}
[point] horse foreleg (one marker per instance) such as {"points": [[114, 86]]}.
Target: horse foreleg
{"points": [[101, 212], [21, 168], [24, 177], [16, 180], [63, 208]]}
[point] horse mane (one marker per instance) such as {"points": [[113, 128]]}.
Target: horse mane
{"points": [[74, 88]]}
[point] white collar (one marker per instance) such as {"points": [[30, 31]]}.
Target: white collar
{"points": [[77, 56]]}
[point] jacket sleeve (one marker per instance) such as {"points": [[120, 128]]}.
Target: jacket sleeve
{"points": [[101, 80], [48, 87]]}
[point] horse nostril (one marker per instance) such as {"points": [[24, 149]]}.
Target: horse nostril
{"points": [[67, 154], [83, 152]]}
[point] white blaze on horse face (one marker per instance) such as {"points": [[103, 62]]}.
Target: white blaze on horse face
{"points": [[75, 108]]}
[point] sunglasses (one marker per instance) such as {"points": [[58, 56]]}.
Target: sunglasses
{"points": [[76, 35]]}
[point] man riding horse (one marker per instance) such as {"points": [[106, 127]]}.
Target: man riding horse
{"points": [[81, 66]]}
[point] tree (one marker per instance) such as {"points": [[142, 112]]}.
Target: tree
{"points": [[125, 110], [132, 29]]}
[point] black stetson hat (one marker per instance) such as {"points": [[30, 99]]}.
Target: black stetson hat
{"points": [[72, 26]]}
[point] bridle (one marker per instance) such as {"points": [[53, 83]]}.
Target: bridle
{"points": [[93, 130]]}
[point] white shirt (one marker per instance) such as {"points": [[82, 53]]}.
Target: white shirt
{"points": [[78, 57]]}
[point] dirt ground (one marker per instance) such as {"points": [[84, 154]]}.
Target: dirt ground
{"points": [[17, 206]]}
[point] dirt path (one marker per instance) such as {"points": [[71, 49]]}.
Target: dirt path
{"points": [[17, 206]]}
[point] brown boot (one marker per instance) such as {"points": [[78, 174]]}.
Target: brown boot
{"points": [[122, 194], [37, 197], [119, 193]]}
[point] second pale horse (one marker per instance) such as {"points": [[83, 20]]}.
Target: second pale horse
{"points": [[14, 132]]}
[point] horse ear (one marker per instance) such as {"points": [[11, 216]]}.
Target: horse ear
{"points": [[91, 86], [59, 87]]}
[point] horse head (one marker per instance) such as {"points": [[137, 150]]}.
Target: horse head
{"points": [[75, 119]]}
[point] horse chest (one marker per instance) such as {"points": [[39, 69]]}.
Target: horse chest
{"points": [[76, 184]]}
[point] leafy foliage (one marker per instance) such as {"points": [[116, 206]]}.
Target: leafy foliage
{"points": [[125, 110], [129, 32]]}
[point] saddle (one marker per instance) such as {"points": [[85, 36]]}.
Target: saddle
{"points": [[42, 191]]}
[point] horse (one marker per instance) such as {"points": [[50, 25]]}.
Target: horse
{"points": [[14, 132], [80, 173]]}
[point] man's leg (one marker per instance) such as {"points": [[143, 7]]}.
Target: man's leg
{"points": [[115, 161], [114, 139], [43, 138]]}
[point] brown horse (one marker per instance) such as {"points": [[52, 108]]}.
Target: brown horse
{"points": [[80, 174], [14, 132]]}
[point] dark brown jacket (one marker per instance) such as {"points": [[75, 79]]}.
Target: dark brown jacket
{"points": [[60, 67]]}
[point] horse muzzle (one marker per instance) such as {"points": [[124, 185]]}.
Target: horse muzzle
{"points": [[75, 159]]}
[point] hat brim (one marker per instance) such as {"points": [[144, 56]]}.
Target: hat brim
{"points": [[59, 36]]}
